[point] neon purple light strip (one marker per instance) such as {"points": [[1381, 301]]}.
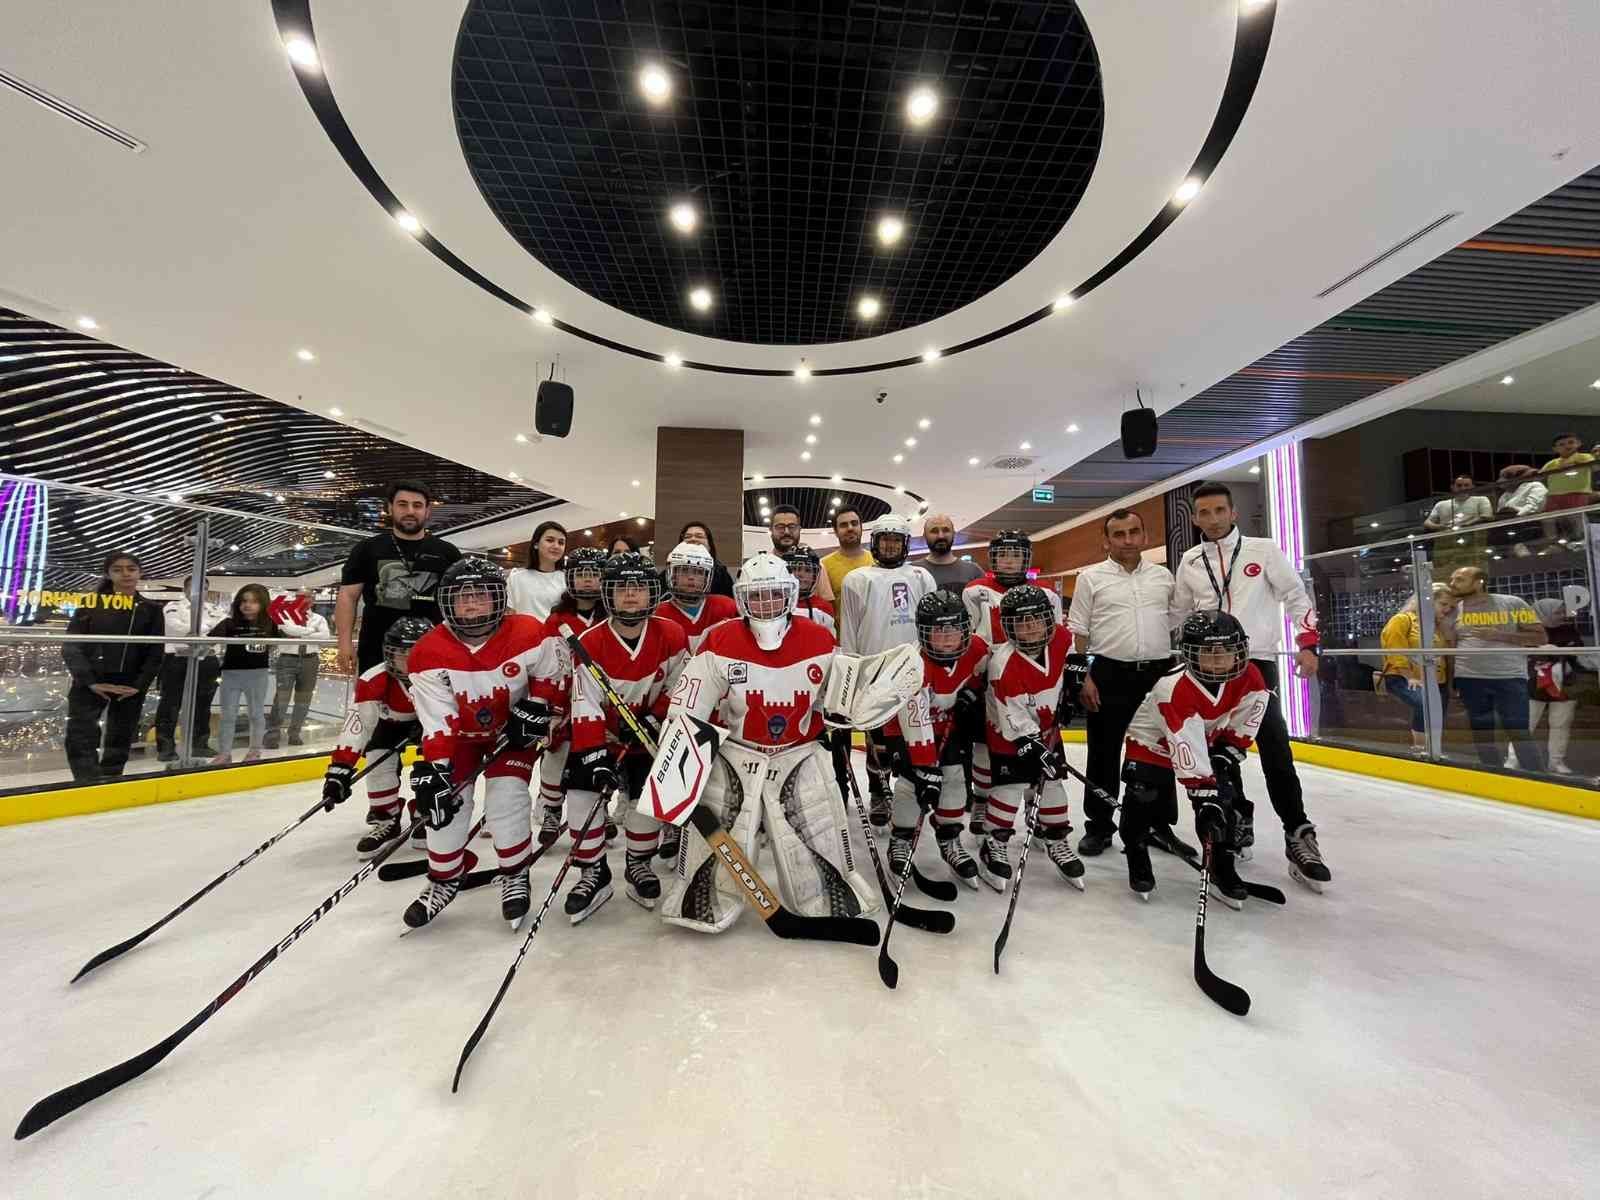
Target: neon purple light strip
{"points": [[1288, 531]]}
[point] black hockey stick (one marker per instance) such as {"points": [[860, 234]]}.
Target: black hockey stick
{"points": [[123, 947], [1229, 995], [1030, 819], [511, 973], [784, 922], [888, 969], [934, 889], [917, 918], [414, 867]]}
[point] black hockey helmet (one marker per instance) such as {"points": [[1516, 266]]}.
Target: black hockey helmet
{"points": [[1021, 604], [398, 640], [1206, 633], [890, 525], [943, 611], [630, 570], [804, 565], [1012, 543], [469, 579], [586, 563]]}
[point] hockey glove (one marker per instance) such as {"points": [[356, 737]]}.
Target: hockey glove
{"points": [[1210, 818], [434, 794], [1072, 677], [1031, 756], [595, 772], [528, 724], [969, 708], [928, 784], [336, 781]]}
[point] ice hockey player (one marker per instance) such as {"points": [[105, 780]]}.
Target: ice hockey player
{"points": [[380, 718], [1010, 556], [576, 610], [766, 675], [1025, 681], [1197, 722], [877, 611], [689, 603], [484, 672], [641, 654], [805, 566]]}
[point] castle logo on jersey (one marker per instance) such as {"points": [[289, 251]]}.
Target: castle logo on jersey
{"points": [[767, 721]]}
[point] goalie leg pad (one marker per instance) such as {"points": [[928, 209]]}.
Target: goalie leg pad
{"points": [[805, 818], [700, 894]]}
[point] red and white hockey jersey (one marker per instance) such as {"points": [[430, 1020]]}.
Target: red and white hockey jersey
{"points": [[941, 682], [462, 694], [379, 697], [982, 598], [1024, 692], [1180, 720], [713, 611], [564, 623], [642, 674], [821, 612], [767, 699]]}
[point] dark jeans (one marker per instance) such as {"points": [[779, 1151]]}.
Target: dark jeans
{"points": [[1122, 687], [83, 731], [1411, 695], [171, 678], [1277, 762], [1506, 700], [296, 675]]}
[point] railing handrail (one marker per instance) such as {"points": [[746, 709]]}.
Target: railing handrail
{"points": [[46, 636], [1449, 651], [1413, 538]]}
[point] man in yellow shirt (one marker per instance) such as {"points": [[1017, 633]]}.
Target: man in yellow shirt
{"points": [[1569, 479], [850, 555]]}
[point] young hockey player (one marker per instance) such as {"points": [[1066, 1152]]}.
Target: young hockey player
{"points": [[765, 676], [1025, 681], [877, 611], [689, 604], [483, 672], [641, 654], [576, 610], [805, 566], [381, 717], [1197, 722]]}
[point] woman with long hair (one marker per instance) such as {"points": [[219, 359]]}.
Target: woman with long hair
{"points": [[700, 533], [536, 588], [1403, 674], [244, 670]]}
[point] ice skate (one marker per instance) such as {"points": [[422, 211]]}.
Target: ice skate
{"points": [[962, 865], [551, 826], [1305, 859], [899, 851], [994, 865], [1244, 835], [1066, 860], [431, 903], [1140, 876], [879, 806], [589, 894], [381, 832], [514, 898], [1165, 838], [671, 838], [1225, 883], [644, 889]]}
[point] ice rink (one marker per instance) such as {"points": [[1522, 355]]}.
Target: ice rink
{"points": [[1426, 1028]]}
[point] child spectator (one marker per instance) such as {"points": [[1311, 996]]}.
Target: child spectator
{"points": [[244, 670]]}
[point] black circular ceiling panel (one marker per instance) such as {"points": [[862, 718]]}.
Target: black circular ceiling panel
{"points": [[786, 129]]}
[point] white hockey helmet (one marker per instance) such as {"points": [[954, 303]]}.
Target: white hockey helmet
{"points": [[891, 524], [766, 594], [687, 560]]}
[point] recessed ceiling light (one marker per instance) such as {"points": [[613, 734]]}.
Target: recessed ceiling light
{"points": [[766, 520], [1025, 446], [838, 500], [1255, 470], [911, 441], [765, 511], [1062, 301], [234, 548], [930, 354], [899, 458], [655, 83], [1508, 380], [868, 307], [543, 316], [683, 217], [633, 483], [1595, 384], [216, 418], [758, 478], [327, 474], [763, 501], [1374, 524], [972, 462], [278, 497], [1073, 428], [305, 355], [513, 475], [816, 418], [673, 360], [522, 437], [147, 518], [622, 514], [836, 478], [299, 545], [336, 412], [301, 52], [175, 497], [88, 323], [588, 533], [805, 456], [921, 105], [900, 488], [802, 372], [407, 222], [890, 230], [700, 298], [1187, 191], [923, 423], [639, 520]]}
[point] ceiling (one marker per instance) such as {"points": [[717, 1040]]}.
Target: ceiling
{"points": [[1564, 382], [243, 233]]}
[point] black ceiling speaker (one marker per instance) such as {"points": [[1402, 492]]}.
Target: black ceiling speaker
{"points": [[552, 409], [1139, 431]]}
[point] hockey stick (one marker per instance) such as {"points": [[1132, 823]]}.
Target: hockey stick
{"points": [[1030, 816], [123, 947], [784, 922], [414, 867], [505, 984], [888, 969], [934, 889], [917, 918], [1229, 995]]}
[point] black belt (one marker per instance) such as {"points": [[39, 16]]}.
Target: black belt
{"points": [[1143, 664]]}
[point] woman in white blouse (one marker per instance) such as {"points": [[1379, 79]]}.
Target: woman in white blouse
{"points": [[535, 589]]}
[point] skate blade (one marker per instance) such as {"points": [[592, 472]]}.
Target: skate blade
{"points": [[993, 881], [643, 902], [595, 905], [1078, 883], [1314, 884], [1244, 855], [971, 880], [516, 922], [1145, 896], [1218, 894]]}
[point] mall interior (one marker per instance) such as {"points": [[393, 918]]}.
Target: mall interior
{"points": [[622, 270]]}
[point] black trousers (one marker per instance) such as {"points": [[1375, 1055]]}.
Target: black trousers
{"points": [[171, 678], [1277, 763], [1122, 687], [84, 709]]}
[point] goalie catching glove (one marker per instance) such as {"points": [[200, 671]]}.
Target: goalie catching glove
{"points": [[866, 692]]}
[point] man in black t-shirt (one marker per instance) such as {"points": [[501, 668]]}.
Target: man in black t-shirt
{"points": [[393, 575]]}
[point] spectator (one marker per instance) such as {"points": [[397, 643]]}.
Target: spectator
{"points": [[1461, 509], [1521, 495], [109, 677], [392, 574], [623, 544], [175, 666], [952, 574], [1569, 479], [1494, 686], [537, 588], [851, 554], [1550, 679], [1403, 674], [297, 665], [785, 530], [699, 533], [244, 670]]}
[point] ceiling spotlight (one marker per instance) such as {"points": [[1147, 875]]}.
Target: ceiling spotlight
{"points": [[700, 298], [299, 545], [1374, 524], [836, 478], [633, 483], [673, 360], [1256, 470], [802, 372], [1508, 380], [805, 456], [543, 316], [147, 518], [639, 520], [278, 497], [336, 412], [655, 84], [216, 418], [811, 439], [513, 475], [1025, 446], [683, 217], [930, 354], [816, 418], [900, 488], [305, 355], [758, 478], [924, 423], [868, 307], [1596, 385], [763, 501], [1062, 301], [233, 548], [622, 514], [175, 497], [588, 533], [88, 323], [835, 503], [301, 52], [972, 462], [911, 441], [522, 437], [1187, 191], [327, 474], [1073, 428], [899, 458], [890, 230], [921, 105], [765, 511], [407, 222]]}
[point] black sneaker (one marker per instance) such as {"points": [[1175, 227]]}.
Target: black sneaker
{"points": [[589, 894], [1092, 844]]}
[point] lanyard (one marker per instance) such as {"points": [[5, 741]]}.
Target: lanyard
{"points": [[1224, 599]]}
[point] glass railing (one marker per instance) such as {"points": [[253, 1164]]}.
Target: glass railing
{"points": [[1457, 513], [1499, 671]]}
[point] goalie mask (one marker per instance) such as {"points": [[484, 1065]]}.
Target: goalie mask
{"points": [[944, 627], [1026, 617], [766, 594], [1214, 646], [689, 570], [630, 589], [1010, 556], [804, 565], [472, 597], [891, 539], [585, 566], [397, 642]]}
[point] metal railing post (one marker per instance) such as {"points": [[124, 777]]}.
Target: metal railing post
{"points": [[191, 674], [1432, 710]]}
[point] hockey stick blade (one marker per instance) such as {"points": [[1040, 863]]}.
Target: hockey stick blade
{"points": [[1259, 891], [1030, 821], [916, 918], [934, 889], [1229, 996]]}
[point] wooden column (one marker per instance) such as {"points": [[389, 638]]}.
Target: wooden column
{"points": [[700, 477]]}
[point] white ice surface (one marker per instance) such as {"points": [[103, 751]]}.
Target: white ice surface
{"points": [[1426, 1028]]}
